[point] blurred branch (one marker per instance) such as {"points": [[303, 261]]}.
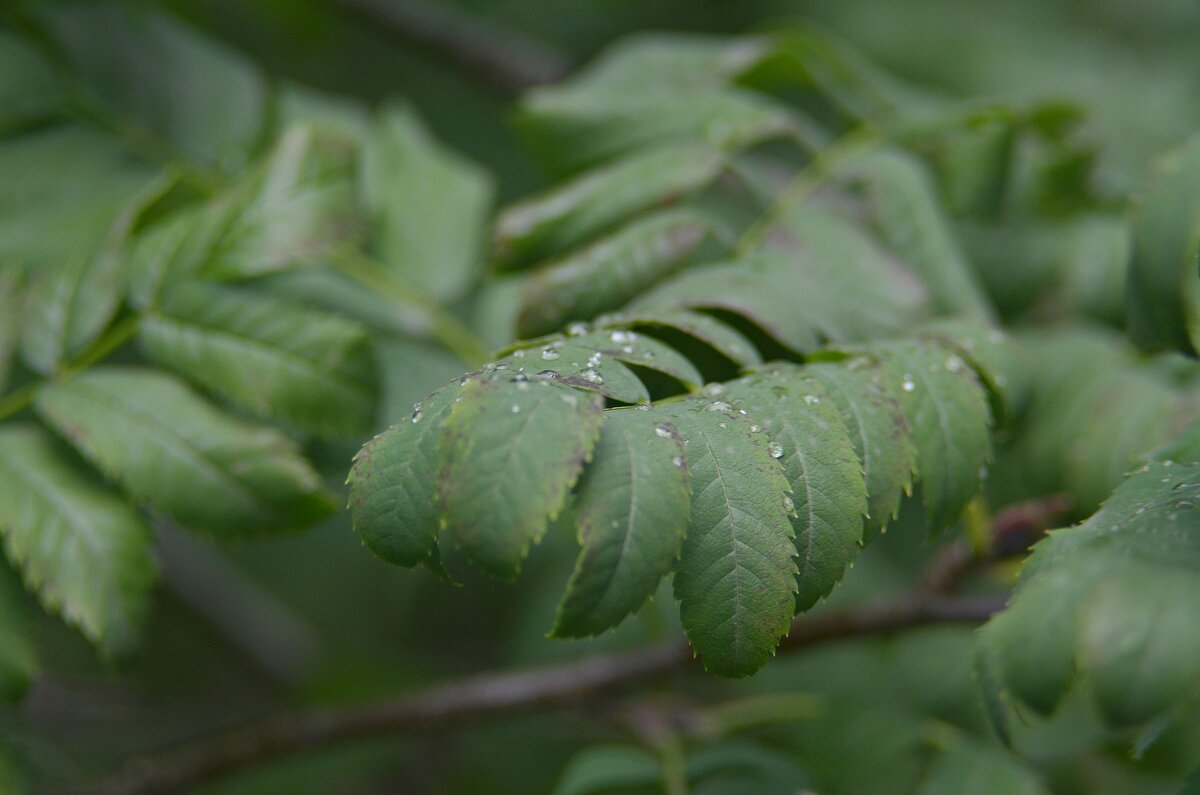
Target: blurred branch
{"points": [[489, 694], [1013, 531], [505, 60]]}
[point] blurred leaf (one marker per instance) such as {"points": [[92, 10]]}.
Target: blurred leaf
{"points": [[297, 209], [177, 453], [736, 579], [66, 308], [1109, 602], [11, 317], [18, 655], [607, 769], [428, 204], [30, 92], [966, 767], [562, 217], [78, 546], [1163, 294], [632, 513], [610, 271], [169, 90], [277, 359], [512, 449]]}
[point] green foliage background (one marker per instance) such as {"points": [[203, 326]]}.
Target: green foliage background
{"points": [[199, 256]]}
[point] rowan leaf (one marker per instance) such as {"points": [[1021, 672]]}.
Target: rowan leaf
{"points": [[736, 578], [632, 513], [878, 429], [78, 546], [18, 652], [610, 271], [275, 358], [512, 448], [819, 461], [67, 307], [428, 204], [557, 220], [394, 482], [172, 450]]}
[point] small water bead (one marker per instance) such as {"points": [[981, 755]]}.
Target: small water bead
{"points": [[719, 405], [723, 425], [812, 400], [626, 349], [714, 390], [907, 384], [577, 329], [464, 380], [788, 505], [677, 461], [775, 449], [592, 376], [519, 353], [550, 354], [594, 360], [642, 407], [755, 429], [954, 364], [663, 431], [623, 336], [516, 409]]}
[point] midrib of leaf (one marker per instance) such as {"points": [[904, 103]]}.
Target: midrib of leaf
{"points": [[182, 449], [629, 522]]}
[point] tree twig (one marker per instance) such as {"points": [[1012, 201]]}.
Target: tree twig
{"points": [[1013, 531], [491, 694], [505, 60]]}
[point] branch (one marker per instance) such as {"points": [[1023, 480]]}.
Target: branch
{"points": [[505, 60], [1012, 533], [490, 694]]}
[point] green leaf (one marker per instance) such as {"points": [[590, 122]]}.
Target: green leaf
{"points": [[394, 482], [1163, 299], [10, 321], [512, 449], [572, 130], [50, 214], [632, 513], [78, 546], [820, 463], [879, 431], [175, 452], [1110, 602], [611, 271], [18, 655], [67, 307], [177, 93], [299, 208], [594, 202], [736, 579], [717, 335], [904, 211], [845, 285], [170, 252], [948, 415], [607, 768], [992, 355], [428, 204], [597, 360], [275, 358], [733, 287], [30, 91], [967, 767]]}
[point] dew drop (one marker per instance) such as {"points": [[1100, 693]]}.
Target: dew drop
{"points": [[954, 364], [516, 409], [755, 429], [714, 390], [549, 354], [907, 384], [677, 461], [812, 400], [518, 354], [788, 505], [623, 336], [775, 449], [577, 329], [592, 376], [718, 405], [594, 360], [626, 349], [663, 431]]}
